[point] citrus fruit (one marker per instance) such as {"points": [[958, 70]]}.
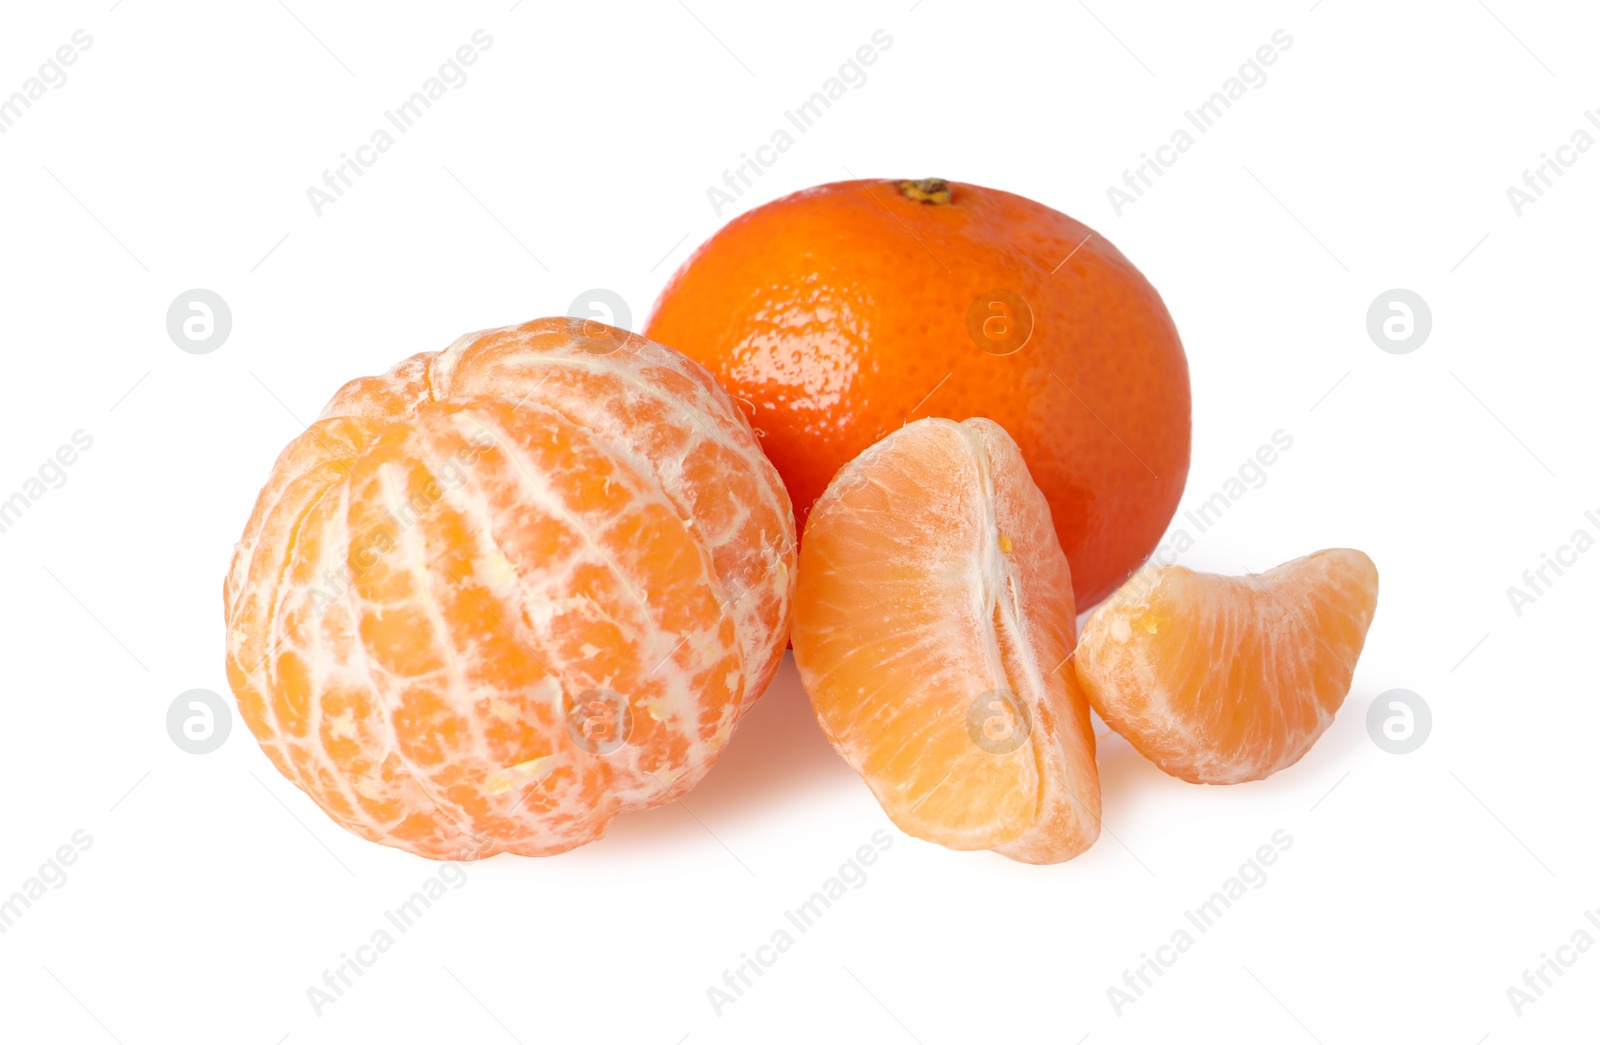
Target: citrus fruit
{"points": [[506, 591], [1218, 679], [933, 625], [841, 312]]}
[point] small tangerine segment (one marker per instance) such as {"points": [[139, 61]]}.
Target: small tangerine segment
{"points": [[1220, 679]]}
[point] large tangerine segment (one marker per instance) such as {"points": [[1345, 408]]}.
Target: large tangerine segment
{"points": [[465, 569], [1219, 679], [933, 622]]}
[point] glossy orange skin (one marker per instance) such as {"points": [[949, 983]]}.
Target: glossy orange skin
{"points": [[840, 313]]}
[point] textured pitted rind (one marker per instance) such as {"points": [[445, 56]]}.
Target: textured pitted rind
{"points": [[843, 311]]}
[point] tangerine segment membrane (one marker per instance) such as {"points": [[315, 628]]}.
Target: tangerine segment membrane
{"points": [[439, 583], [419, 694], [933, 625], [655, 406], [1226, 679]]}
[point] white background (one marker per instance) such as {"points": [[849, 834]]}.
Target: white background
{"points": [[1377, 155]]}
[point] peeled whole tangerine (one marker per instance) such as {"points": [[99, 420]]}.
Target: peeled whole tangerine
{"points": [[504, 592]]}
